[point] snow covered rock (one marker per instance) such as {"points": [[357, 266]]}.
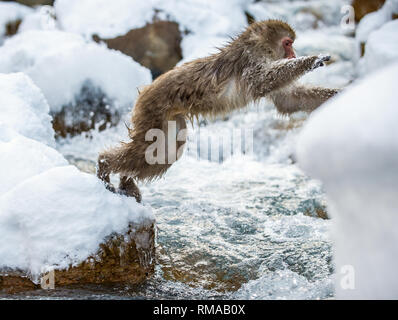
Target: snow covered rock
{"points": [[42, 18], [381, 49], [63, 218], [351, 145], [155, 46], [340, 47], [54, 217], [11, 15], [84, 83]]}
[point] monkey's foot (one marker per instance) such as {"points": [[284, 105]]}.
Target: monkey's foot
{"points": [[128, 188]]}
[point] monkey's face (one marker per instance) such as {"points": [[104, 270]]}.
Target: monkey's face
{"points": [[287, 46]]}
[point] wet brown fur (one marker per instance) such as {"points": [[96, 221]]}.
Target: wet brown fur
{"points": [[250, 67]]}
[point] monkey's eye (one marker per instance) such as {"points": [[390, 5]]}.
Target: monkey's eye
{"points": [[288, 43]]}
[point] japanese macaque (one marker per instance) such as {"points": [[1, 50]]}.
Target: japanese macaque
{"points": [[260, 62]]}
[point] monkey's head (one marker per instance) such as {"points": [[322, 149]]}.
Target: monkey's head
{"points": [[272, 38]]}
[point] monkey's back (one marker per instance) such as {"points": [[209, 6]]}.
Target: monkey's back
{"points": [[191, 89]]}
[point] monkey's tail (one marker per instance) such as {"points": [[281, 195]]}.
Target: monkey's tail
{"points": [[132, 162]]}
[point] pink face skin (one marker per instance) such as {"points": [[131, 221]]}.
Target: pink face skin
{"points": [[287, 44]]}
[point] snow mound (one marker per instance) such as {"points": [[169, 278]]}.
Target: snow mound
{"points": [[381, 48], [351, 145], [62, 219], [61, 63], [24, 108]]}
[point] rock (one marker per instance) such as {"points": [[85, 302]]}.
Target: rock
{"points": [[155, 46], [363, 7], [125, 258]]}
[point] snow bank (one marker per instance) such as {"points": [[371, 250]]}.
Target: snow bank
{"points": [[374, 20], [51, 215], [60, 63], [11, 12], [381, 48], [351, 145]]}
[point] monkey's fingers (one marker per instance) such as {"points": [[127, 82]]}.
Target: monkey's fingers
{"points": [[319, 62]]}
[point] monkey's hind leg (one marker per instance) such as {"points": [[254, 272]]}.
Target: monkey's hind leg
{"points": [[128, 188], [103, 172]]}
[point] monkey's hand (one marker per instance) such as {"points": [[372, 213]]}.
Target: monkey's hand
{"points": [[319, 62]]}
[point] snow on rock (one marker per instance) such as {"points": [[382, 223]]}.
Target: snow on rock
{"points": [[11, 12], [381, 49], [202, 23], [351, 145], [60, 63], [24, 158], [336, 75], [374, 20], [62, 219], [24, 108], [194, 47]]}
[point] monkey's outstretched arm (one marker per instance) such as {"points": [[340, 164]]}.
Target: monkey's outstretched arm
{"points": [[281, 73], [300, 98]]}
